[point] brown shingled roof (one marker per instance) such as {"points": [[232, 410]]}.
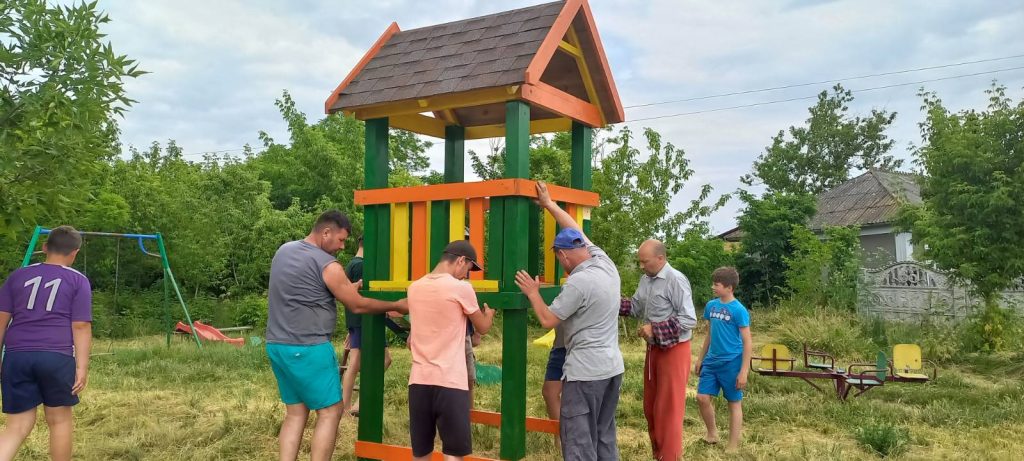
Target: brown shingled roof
{"points": [[548, 55], [465, 55], [874, 197]]}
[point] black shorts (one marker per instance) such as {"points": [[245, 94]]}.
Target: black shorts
{"points": [[437, 409], [355, 338], [29, 379]]}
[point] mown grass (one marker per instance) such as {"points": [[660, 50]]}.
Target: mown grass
{"points": [[146, 401]]}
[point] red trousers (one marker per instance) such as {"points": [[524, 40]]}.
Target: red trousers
{"points": [[666, 372]]}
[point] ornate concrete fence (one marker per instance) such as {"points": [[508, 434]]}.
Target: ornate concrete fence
{"points": [[910, 291]]}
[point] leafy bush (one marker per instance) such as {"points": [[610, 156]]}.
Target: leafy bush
{"points": [[824, 271], [252, 310], [885, 439], [992, 329], [697, 256]]}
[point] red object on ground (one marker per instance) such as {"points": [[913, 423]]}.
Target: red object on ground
{"points": [[209, 333]]}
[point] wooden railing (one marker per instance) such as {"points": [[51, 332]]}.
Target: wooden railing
{"points": [[468, 204]]}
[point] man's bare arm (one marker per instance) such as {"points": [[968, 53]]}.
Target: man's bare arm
{"points": [[346, 292], [561, 216]]}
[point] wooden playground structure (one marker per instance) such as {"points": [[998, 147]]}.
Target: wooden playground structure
{"points": [[513, 74]]}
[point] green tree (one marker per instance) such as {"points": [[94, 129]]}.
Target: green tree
{"points": [[824, 270], [768, 224], [61, 88], [973, 194], [323, 162], [820, 155], [697, 254]]}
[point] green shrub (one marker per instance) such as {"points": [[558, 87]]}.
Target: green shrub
{"points": [[697, 256], [824, 270], [885, 439], [992, 329], [252, 310]]}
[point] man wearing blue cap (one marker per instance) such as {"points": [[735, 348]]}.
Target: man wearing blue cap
{"points": [[587, 310]]}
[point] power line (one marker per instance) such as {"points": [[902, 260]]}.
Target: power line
{"points": [[765, 103], [835, 80], [779, 101]]}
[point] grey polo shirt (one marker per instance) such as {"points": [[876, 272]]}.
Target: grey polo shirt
{"points": [[589, 308], [667, 294]]}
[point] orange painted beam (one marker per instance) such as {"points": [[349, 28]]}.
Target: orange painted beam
{"points": [[547, 48], [373, 450], [419, 234], [468, 190], [619, 115], [488, 418], [390, 31], [476, 233], [570, 208], [562, 103]]}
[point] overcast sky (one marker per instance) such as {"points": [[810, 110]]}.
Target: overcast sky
{"points": [[217, 66]]}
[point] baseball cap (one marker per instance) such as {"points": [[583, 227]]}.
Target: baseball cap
{"points": [[568, 239], [465, 249]]}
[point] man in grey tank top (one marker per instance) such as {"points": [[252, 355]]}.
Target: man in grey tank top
{"points": [[306, 280]]}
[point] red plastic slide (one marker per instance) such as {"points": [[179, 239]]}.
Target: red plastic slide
{"points": [[209, 333]]}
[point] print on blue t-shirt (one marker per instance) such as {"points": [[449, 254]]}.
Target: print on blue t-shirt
{"points": [[726, 320]]}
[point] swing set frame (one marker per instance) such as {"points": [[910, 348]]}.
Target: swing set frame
{"points": [[162, 254]]}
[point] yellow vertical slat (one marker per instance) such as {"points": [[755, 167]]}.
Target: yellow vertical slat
{"points": [[400, 241], [549, 240], [457, 220], [427, 262]]}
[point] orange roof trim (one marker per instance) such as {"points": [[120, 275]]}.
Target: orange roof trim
{"points": [[547, 49], [388, 33]]}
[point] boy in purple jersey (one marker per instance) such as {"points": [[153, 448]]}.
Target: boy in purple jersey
{"points": [[46, 329]]}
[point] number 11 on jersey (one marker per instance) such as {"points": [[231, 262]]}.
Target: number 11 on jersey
{"points": [[53, 285]]}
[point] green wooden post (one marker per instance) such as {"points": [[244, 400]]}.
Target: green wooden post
{"points": [[376, 266], [582, 163], [31, 246], [454, 171], [515, 256]]}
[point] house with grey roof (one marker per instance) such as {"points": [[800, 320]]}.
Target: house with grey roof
{"points": [[870, 202]]}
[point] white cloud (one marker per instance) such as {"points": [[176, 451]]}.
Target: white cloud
{"points": [[218, 66]]}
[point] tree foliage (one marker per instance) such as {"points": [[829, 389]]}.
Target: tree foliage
{"points": [[61, 89], [820, 155], [768, 225], [973, 192], [824, 271]]}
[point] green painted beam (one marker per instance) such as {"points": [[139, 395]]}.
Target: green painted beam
{"points": [[582, 152], [454, 171], [495, 240], [515, 256], [454, 154], [376, 244]]}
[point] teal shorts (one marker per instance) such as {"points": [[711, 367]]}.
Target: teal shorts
{"points": [[306, 374]]}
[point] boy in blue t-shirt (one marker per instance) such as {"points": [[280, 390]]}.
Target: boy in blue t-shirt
{"points": [[725, 356]]}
